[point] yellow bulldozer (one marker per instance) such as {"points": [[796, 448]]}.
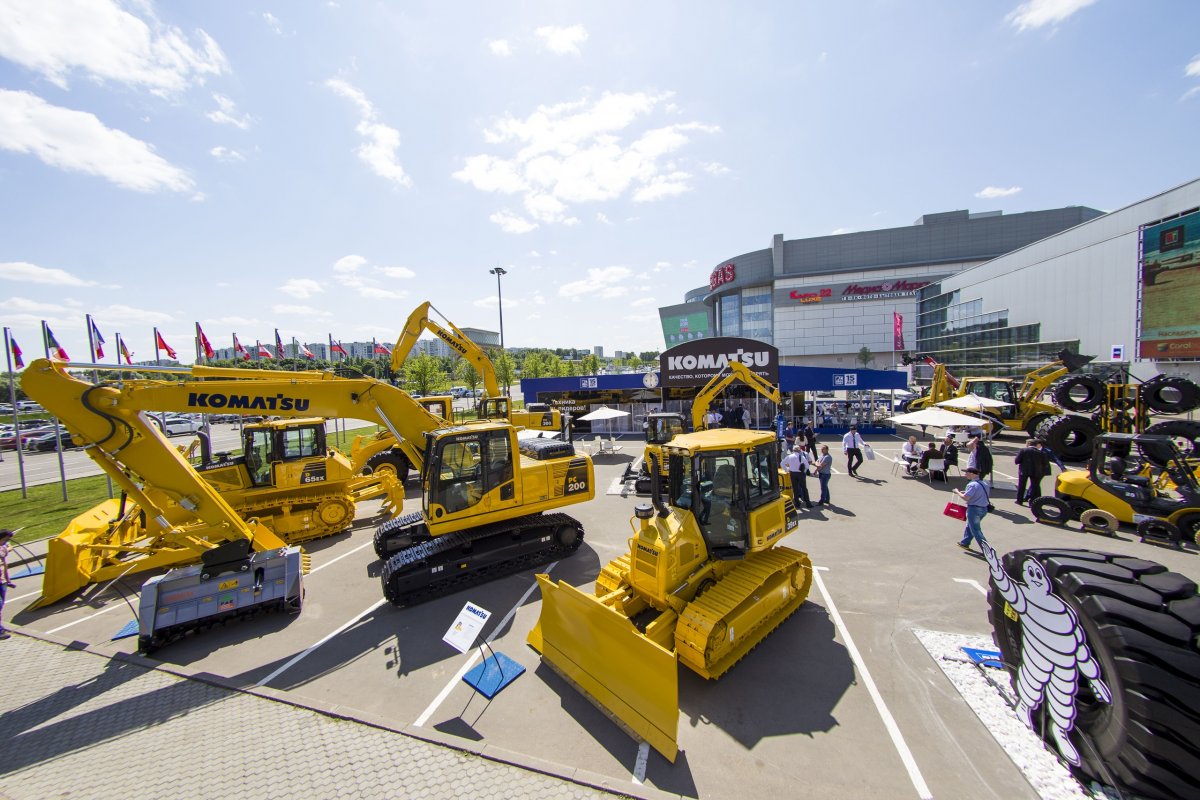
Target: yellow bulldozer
{"points": [[704, 581]]}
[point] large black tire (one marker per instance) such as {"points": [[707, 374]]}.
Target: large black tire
{"points": [[1032, 426], [1078, 393], [393, 460], [1071, 436], [1186, 435], [1051, 510], [1142, 624], [1189, 528], [1170, 395]]}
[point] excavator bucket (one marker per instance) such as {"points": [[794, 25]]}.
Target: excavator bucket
{"points": [[70, 562], [627, 676]]}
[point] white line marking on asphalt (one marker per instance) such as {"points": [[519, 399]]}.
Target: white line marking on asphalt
{"points": [[970, 582], [639, 769], [110, 607], [914, 772], [339, 558], [296, 658], [22, 597], [458, 676]]}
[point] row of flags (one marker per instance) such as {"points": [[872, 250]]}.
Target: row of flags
{"points": [[205, 349]]}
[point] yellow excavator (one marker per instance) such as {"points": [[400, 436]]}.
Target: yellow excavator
{"points": [[381, 453], [662, 427], [704, 581], [483, 505]]}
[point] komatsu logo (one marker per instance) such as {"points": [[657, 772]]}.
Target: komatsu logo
{"points": [[452, 342], [278, 402], [718, 361]]}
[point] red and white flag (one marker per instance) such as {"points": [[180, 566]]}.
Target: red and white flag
{"points": [[304, 351], [263, 352], [381, 349], [97, 338], [205, 346], [336, 347], [161, 344], [239, 350]]}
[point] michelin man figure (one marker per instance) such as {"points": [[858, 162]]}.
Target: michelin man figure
{"points": [[1054, 651]]}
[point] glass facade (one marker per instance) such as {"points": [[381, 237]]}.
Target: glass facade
{"points": [[730, 321], [756, 313], [956, 332]]}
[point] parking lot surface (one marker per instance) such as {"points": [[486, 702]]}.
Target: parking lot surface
{"points": [[841, 700]]}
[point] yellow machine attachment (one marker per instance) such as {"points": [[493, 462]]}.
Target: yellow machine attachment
{"points": [[705, 580]]}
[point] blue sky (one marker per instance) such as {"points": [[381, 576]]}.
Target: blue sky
{"points": [[323, 167]]}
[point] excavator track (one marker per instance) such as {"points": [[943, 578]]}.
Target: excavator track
{"points": [[455, 561], [728, 620], [398, 533]]}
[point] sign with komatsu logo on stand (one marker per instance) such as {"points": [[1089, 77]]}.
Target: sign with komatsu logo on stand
{"points": [[694, 363]]}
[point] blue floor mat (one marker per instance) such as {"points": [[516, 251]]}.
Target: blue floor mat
{"points": [[496, 672]]}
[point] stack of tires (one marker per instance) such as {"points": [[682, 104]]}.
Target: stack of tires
{"points": [[1141, 624], [1073, 435]]}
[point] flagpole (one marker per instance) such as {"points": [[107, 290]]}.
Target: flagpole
{"points": [[12, 401], [197, 342]]}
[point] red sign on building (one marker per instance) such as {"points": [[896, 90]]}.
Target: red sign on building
{"points": [[721, 275]]}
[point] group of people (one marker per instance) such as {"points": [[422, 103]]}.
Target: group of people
{"points": [[799, 465], [735, 417], [916, 459]]}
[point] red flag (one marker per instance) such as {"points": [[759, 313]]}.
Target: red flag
{"points": [[336, 347], [382, 349], [161, 344], [304, 351], [279, 346], [128, 356], [898, 331], [263, 352], [239, 350], [97, 338], [16, 352], [53, 346], [204, 343]]}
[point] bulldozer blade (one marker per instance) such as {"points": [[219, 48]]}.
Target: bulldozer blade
{"points": [[629, 678], [1073, 361]]}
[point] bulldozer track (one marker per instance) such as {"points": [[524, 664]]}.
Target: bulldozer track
{"points": [[703, 629], [447, 560]]}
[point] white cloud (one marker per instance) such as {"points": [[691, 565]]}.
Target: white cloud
{"points": [[840, 231], [396, 272], [492, 301], [299, 311], [992, 192], [301, 287], [26, 306], [574, 153], [644, 301], [713, 168], [1039, 13], [120, 313], [24, 272], [1192, 70], [272, 22], [106, 41], [511, 223], [349, 272], [500, 47], [599, 279], [221, 153], [233, 322], [76, 141], [562, 41], [380, 142], [227, 113], [601, 217]]}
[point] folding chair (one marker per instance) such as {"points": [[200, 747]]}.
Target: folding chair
{"points": [[897, 463], [935, 465]]}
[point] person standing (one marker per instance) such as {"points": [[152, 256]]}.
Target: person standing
{"points": [[1032, 466], [979, 456], [852, 445], [810, 440], [796, 464], [789, 436], [737, 417], [975, 495], [711, 419], [823, 471], [5, 584]]}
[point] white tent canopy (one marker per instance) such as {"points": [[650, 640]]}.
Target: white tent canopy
{"points": [[973, 402], [603, 412], [940, 418]]}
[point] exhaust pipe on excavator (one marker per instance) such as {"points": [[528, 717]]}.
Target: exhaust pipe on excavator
{"points": [[656, 488]]}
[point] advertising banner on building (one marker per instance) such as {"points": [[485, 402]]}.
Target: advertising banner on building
{"points": [[685, 324], [897, 331], [1170, 284], [874, 289], [694, 363]]}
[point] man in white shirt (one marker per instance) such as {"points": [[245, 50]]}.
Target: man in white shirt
{"points": [[852, 445], [796, 463]]}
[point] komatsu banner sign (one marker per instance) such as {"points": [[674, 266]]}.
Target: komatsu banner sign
{"points": [[694, 363]]}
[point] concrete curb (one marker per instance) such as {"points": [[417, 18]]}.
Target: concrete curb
{"points": [[488, 752]]}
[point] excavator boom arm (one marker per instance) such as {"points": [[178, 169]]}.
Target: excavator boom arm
{"points": [[733, 371], [419, 320]]}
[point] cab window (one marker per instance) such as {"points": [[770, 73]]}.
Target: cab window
{"points": [[302, 442], [259, 455], [459, 474], [499, 471], [762, 476]]}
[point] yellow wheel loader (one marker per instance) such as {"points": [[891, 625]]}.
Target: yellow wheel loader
{"points": [[705, 580]]}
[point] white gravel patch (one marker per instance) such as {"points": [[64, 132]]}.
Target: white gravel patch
{"points": [[993, 703]]}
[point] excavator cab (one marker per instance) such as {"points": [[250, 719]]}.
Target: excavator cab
{"points": [[496, 408], [469, 471], [283, 443], [662, 427]]}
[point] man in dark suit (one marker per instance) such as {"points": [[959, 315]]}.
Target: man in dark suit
{"points": [[1032, 466]]}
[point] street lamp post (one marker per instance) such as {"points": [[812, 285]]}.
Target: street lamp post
{"points": [[498, 271]]}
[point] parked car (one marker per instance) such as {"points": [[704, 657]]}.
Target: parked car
{"points": [[178, 426], [46, 441], [8, 438]]}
